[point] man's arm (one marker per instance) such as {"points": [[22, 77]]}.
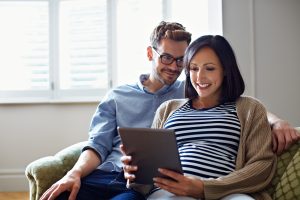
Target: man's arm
{"points": [[283, 134], [99, 144], [87, 162]]}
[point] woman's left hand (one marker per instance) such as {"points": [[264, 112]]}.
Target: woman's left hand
{"points": [[180, 185]]}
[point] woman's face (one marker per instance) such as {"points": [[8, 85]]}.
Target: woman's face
{"points": [[206, 74]]}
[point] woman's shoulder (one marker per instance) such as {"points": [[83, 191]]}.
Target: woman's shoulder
{"points": [[174, 102], [248, 101]]}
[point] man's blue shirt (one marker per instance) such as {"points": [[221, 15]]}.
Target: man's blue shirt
{"points": [[125, 106]]}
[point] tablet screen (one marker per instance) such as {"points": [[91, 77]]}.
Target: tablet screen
{"points": [[150, 149]]}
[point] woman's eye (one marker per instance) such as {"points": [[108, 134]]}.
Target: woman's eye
{"points": [[193, 68], [210, 68]]}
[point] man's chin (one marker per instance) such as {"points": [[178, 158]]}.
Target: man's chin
{"points": [[166, 80], [169, 81]]}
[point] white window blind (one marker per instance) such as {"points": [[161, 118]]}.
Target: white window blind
{"points": [[24, 52], [83, 44], [75, 50]]}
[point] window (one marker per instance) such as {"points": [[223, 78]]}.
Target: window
{"points": [[75, 50]]}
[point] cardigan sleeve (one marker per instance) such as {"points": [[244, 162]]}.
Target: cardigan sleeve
{"points": [[157, 121], [256, 161]]}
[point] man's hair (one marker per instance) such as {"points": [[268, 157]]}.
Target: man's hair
{"points": [[169, 30], [233, 84]]}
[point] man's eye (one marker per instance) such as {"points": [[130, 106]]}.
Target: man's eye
{"points": [[180, 60], [166, 57]]}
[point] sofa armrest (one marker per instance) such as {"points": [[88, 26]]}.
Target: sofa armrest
{"points": [[285, 161], [42, 173]]}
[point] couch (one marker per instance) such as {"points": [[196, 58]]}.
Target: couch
{"points": [[42, 173]]}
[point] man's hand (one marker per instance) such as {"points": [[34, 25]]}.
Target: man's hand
{"points": [[180, 185], [70, 182], [129, 170], [283, 136]]}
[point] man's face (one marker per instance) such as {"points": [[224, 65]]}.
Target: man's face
{"points": [[168, 73]]}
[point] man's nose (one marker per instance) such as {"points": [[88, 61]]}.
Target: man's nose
{"points": [[174, 65]]}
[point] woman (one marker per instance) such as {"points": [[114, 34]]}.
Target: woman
{"points": [[224, 140]]}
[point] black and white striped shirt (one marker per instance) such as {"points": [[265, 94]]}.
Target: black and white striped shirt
{"points": [[207, 139]]}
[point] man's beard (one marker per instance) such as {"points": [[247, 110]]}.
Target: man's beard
{"points": [[158, 77]]}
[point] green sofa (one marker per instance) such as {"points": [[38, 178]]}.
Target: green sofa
{"points": [[43, 172]]}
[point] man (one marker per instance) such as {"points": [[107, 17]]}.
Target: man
{"points": [[97, 171], [128, 105]]}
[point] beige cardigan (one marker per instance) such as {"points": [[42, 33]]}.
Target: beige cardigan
{"points": [[255, 164]]}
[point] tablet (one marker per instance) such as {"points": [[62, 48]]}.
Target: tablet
{"points": [[150, 149]]}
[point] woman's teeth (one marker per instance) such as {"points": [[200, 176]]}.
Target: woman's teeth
{"points": [[203, 85]]}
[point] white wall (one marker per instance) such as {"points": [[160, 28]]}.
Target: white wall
{"points": [[29, 132], [265, 36]]}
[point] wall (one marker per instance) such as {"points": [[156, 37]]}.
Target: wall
{"points": [[29, 132], [265, 36]]}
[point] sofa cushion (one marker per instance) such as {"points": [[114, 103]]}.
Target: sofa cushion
{"points": [[288, 187]]}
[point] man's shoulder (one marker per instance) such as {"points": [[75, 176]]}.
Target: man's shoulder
{"points": [[179, 84], [125, 88]]}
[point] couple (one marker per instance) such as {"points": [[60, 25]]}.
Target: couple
{"points": [[96, 175]]}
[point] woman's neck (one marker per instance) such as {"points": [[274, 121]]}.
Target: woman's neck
{"points": [[200, 103]]}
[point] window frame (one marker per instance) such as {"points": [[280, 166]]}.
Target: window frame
{"points": [[57, 95]]}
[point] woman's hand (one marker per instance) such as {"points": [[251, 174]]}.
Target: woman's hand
{"points": [[128, 169], [180, 185]]}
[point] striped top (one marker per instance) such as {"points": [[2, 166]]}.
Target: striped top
{"points": [[207, 139]]}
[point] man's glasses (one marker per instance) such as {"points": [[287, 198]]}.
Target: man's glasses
{"points": [[168, 59]]}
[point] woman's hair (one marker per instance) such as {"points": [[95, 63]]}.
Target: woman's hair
{"points": [[169, 30], [233, 84]]}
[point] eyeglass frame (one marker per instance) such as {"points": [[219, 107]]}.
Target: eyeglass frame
{"points": [[178, 59]]}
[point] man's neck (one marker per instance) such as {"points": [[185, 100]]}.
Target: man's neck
{"points": [[152, 84]]}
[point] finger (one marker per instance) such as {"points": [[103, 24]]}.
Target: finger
{"points": [[295, 135], [126, 160], [274, 142], [169, 185], [288, 139], [74, 192], [128, 183], [130, 168], [174, 175], [280, 143], [46, 194], [176, 191], [56, 192], [122, 148], [129, 176]]}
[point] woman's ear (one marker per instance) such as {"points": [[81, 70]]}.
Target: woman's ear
{"points": [[149, 53]]}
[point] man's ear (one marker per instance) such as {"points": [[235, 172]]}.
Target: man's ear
{"points": [[149, 53]]}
